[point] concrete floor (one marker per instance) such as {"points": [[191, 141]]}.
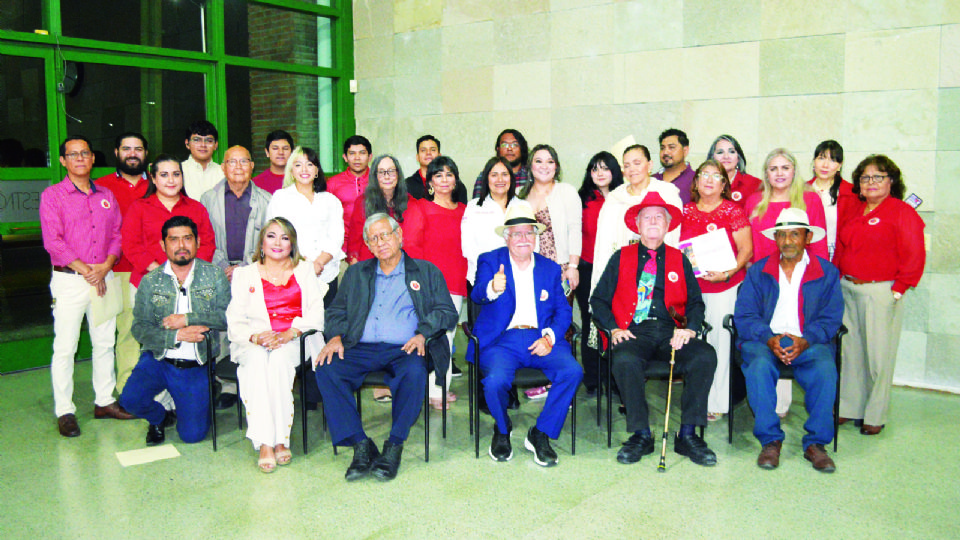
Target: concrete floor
{"points": [[902, 483]]}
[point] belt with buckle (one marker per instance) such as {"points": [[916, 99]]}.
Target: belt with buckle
{"points": [[522, 327], [856, 281], [65, 270], [182, 364]]}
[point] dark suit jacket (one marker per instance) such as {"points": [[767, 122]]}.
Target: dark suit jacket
{"points": [[553, 310], [347, 314]]}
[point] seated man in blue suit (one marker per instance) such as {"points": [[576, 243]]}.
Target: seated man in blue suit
{"points": [[523, 317]]}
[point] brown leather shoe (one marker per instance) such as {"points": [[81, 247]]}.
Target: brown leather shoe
{"points": [[68, 425], [113, 410], [818, 456], [843, 420], [867, 429], [769, 457]]}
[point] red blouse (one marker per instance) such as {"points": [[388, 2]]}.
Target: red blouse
{"points": [[742, 187], [884, 245], [590, 214], [143, 224], [284, 303], [434, 235], [728, 216], [356, 247], [763, 246]]}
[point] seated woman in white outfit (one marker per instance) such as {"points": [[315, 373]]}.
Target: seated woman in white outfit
{"points": [[274, 301]]}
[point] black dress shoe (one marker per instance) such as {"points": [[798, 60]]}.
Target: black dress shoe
{"points": [[694, 448], [538, 443], [500, 448], [170, 419], [454, 370], [590, 391], [364, 454], [226, 401], [155, 434], [386, 466], [513, 399], [637, 446], [67, 424]]}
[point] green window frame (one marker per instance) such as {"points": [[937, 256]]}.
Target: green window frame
{"points": [[54, 48]]}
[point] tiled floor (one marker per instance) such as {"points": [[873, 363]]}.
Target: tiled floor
{"points": [[902, 483]]}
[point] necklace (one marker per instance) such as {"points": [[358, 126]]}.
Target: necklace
{"points": [[274, 279]]}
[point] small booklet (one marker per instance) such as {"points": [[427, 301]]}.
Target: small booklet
{"points": [[710, 252]]}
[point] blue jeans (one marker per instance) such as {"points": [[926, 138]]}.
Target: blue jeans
{"points": [[338, 380], [500, 361], [188, 387], [816, 372]]}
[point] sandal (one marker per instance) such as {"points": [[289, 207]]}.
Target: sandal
{"points": [[382, 395], [267, 464], [714, 416], [284, 456], [437, 403]]}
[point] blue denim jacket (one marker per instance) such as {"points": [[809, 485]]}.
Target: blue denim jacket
{"points": [[157, 298]]}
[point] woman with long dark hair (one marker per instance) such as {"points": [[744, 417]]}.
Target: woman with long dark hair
{"points": [[830, 186]]}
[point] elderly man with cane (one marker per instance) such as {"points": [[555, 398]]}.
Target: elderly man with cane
{"points": [[788, 310], [645, 289]]}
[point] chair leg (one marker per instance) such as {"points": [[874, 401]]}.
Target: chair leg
{"points": [[475, 384], [573, 429], [609, 404], [470, 396], [213, 405], [239, 410], [443, 409], [426, 421]]}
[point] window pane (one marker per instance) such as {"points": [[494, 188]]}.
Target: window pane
{"points": [[259, 102], [109, 100], [170, 24], [23, 113], [20, 15], [266, 32]]}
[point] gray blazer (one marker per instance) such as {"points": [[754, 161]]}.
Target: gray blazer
{"points": [[212, 200]]}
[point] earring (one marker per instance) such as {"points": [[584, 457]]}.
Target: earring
{"points": [[261, 254], [430, 190]]}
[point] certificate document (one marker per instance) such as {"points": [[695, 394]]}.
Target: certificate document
{"points": [[710, 252]]}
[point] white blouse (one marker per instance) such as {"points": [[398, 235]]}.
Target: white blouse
{"points": [[476, 230], [319, 225]]}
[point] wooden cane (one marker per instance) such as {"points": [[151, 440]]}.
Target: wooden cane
{"points": [[681, 322]]}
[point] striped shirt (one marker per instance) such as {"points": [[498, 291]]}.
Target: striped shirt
{"points": [[79, 226]]}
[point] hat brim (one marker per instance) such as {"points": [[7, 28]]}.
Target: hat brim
{"points": [[540, 227], [818, 232]]}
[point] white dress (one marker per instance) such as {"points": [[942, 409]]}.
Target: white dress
{"points": [[477, 234]]}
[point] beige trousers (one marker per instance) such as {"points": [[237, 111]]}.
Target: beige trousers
{"points": [[127, 349], [873, 319]]}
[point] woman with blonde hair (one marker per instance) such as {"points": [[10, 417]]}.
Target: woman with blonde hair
{"points": [[273, 302]]}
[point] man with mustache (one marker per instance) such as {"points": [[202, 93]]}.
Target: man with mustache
{"points": [[523, 317], [128, 183], [176, 303]]}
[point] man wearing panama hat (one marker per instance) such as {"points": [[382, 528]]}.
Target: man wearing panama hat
{"points": [[523, 317], [788, 309], [645, 290]]}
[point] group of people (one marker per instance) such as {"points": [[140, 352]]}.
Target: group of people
{"points": [[167, 279]]}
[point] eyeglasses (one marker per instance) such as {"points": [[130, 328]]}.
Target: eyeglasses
{"points": [[74, 156], [711, 176], [521, 235], [386, 173], [380, 238], [875, 179], [241, 162], [203, 140], [508, 145]]}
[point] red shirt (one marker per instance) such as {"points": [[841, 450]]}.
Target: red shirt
{"points": [[142, 227], [356, 247], [728, 216], [126, 193], [884, 245], [432, 233], [590, 214], [268, 181], [348, 188], [763, 246], [742, 187], [76, 225]]}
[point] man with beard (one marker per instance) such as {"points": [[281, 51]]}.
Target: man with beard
{"points": [[513, 147], [674, 147], [128, 183], [176, 304]]}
